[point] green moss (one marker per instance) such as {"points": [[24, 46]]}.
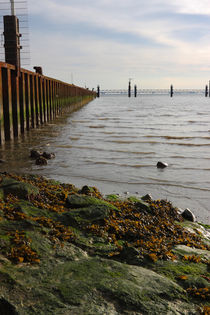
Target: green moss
{"points": [[20, 189], [173, 269], [133, 199], [206, 226], [82, 201]]}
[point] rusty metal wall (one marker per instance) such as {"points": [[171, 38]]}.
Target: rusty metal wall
{"points": [[31, 99]]}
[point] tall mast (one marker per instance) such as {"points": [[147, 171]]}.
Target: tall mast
{"points": [[12, 7]]}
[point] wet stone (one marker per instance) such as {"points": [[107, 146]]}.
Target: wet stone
{"points": [[41, 161], [147, 197], [35, 154], [161, 164], [48, 156], [188, 215]]}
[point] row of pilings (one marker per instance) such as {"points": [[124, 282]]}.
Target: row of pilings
{"points": [[171, 90], [29, 99]]}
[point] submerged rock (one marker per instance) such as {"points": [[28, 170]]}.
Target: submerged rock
{"points": [[48, 155], [35, 154], [161, 164], [41, 161]]}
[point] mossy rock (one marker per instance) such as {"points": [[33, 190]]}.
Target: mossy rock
{"points": [[112, 197], [143, 206], [174, 269], [32, 211], [90, 214], [83, 201], [189, 251], [127, 287], [20, 189], [134, 199]]}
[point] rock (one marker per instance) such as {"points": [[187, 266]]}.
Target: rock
{"points": [[143, 206], [161, 164], [83, 201], [35, 154], [188, 215], [86, 215], [147, 197], [2, 161], [20, 189], [86, 190], [6, 308], [48, 156], [41, 161]]}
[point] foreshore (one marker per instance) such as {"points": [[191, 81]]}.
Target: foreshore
{"points": [[69, 250]]}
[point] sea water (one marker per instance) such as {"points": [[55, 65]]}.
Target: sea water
{"points": [[115, 142]]}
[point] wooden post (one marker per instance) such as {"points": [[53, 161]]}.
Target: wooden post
{"points": [[129, 89], [98, 91], [40, 100], [22, 101], [47, 98], [1, 104], [15, 102], [44, 98], [36, 100], [171, 91], [12, 41], [27, 101], [206, 91], [50, 98], [135, 90], [32, 100], [6, 76]]}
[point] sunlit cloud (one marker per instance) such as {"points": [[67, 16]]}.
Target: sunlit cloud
{"points": [[107, 41]]}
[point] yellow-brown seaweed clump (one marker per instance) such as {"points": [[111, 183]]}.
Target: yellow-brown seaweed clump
{"points": [[154, 233]]}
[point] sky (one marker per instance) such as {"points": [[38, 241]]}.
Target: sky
{"points": [[89, 42]]}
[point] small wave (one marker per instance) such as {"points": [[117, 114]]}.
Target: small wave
{"points": [[102, 149], [80, 121], [99, 126], [74, 138], [120, 164]]}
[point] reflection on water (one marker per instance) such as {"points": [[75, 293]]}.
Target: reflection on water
{"points": [[115, 142]]}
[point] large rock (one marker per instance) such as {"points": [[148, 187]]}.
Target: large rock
{"points": [[17, 188], [82, 201]]}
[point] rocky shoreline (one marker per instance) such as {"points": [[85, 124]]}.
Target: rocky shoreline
{"points": [[66, 250]]}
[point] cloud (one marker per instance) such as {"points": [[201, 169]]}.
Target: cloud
{"points": [[109, 41]]}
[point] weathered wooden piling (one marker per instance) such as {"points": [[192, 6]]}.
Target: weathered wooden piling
{"points": [[209, 88], [32, 99], [129, 89], [135, 90], [206, 91], [171, 91], [98, 91]]}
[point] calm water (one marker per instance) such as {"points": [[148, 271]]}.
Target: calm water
{"points": [[114, 143]]}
